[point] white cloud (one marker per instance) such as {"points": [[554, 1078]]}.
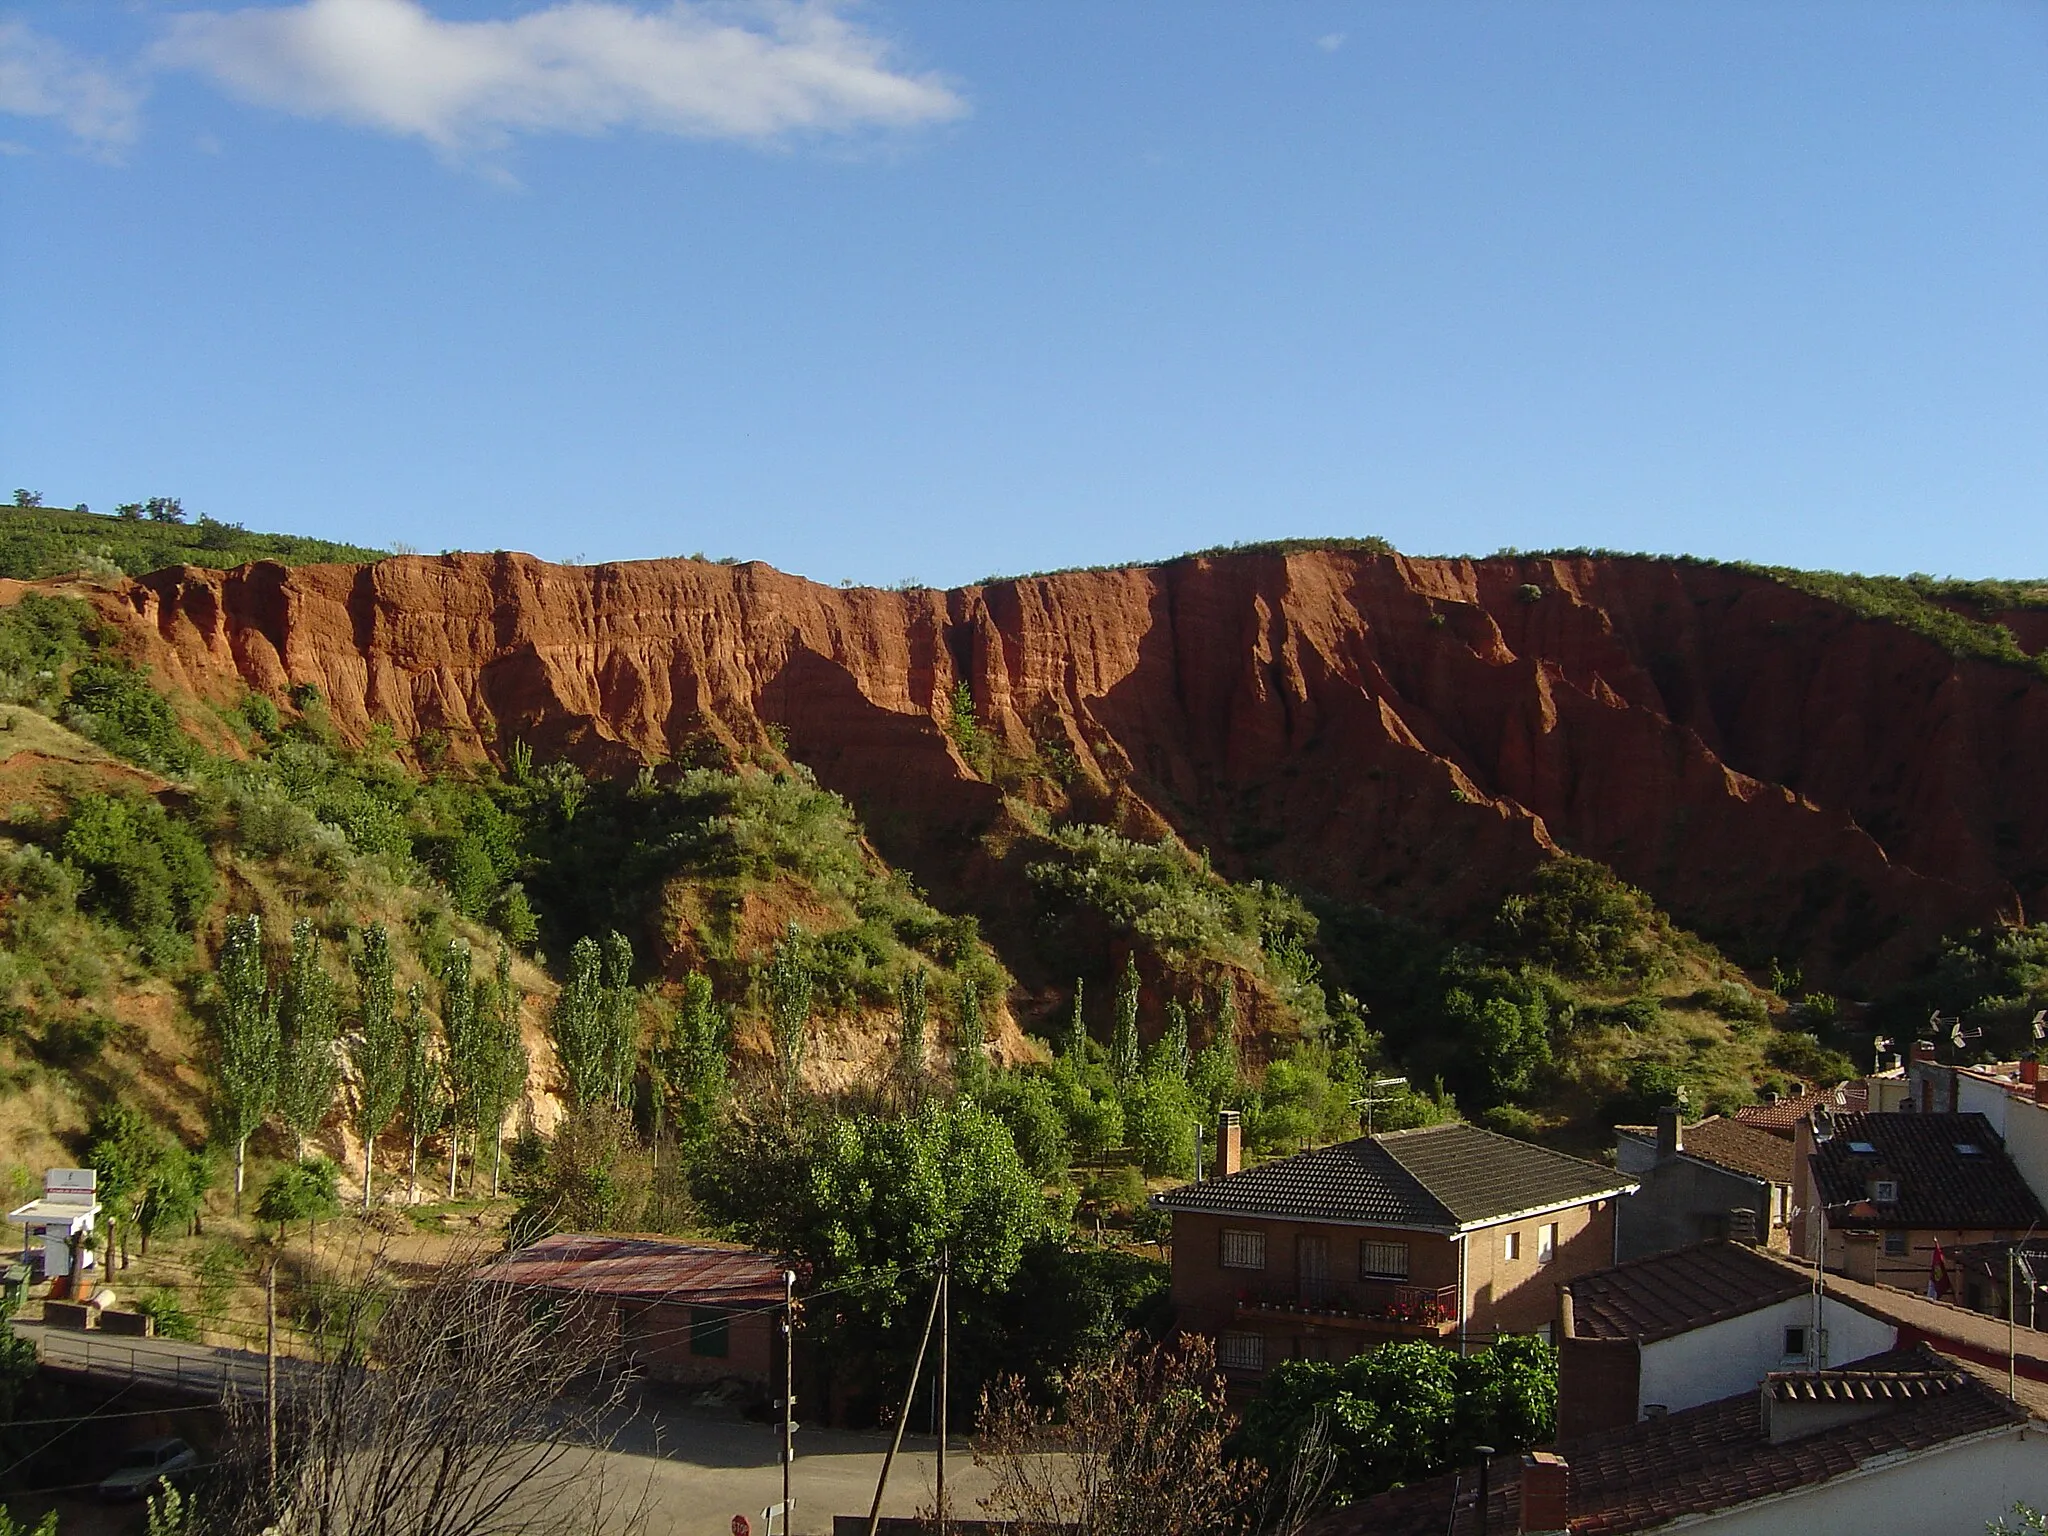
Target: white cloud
{"points": [[1330, 42], [40, 77], [585, 66]]}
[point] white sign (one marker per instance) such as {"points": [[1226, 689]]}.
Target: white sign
{"points": [[74, 1184]]}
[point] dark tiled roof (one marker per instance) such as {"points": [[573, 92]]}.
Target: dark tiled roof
{"points": [[1939, 1184], [1674, 1293], [1356, 1181], [1439, 1178], [1779, 1118], [1714, 1457], [645, 1269]]}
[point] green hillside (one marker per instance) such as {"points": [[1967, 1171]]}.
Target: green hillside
{"points": [[38, 541]]}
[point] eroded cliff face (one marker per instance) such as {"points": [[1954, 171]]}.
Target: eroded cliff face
{"points": [[1416, 734]]}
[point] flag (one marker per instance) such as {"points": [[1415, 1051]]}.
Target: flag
{"points": [[1939, 1282]]}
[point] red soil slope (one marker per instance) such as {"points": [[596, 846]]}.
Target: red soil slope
{"points": [[1412, 733]]}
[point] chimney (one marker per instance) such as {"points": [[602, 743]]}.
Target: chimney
{"points": [[2030, 1071], [1229, 1144], [1670, 1133], [1923, 1051], [1546, 1493]]}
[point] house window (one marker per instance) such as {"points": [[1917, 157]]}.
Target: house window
{"points": [[1241, 1351], [1546, 1242], [1243, 1249], [1795, 1344], [1382, 1261], [1511, 1247], [1885, 1191], [1895, 1245], [710, 1332], [1547, 1332]]}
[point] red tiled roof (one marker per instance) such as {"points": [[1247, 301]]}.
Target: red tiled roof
{"points": [[1714, 1457], [1779, 1118], [1674, 1293], [645, 1269]]}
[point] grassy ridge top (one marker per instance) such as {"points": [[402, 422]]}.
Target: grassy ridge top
{"points": [[53, 541]]}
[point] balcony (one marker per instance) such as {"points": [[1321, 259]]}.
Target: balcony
{"points": [[1370, 1306]]}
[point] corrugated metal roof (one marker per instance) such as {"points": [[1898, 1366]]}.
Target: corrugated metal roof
{"points": [[702, 1274]]}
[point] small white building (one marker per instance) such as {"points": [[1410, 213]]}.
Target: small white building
{"points": [[58, 1222], [1664, 1334]]}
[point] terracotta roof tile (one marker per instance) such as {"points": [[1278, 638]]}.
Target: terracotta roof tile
{"points": [[643, 1268], [1787, 1112], [1742, 1148], [1674, 1293], [1714, 1457], [1437, 1178]]}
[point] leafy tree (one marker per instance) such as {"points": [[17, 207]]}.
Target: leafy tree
{"points": [[1500, 1022], [421, 1102], [302, 1191], [9, 1526], [970, 1043], [595, 1022], [178, 1181], [790, 984], [376, 1048], [309, 1023], [1213, 1079], [1406, 1410], [691, 1064], [621, 1020], [246, 1044], [1095, 1117], [463, 1052], [502, 1063], [910, 1049], [1170, 1051], [1074, 1046], [1028, 1104], [1123, 1040], [1159, 1123], [125, 1149], [1581, 920], [590, 1178]]}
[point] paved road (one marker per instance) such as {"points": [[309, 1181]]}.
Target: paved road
{"points": [[695, 1469]]}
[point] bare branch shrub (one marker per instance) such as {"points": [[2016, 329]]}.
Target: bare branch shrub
{"points": [[452, 1407]]}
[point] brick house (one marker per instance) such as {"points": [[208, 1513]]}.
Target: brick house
{"points": [[1448, 1233], [1893, 1185], [685, 1313]]}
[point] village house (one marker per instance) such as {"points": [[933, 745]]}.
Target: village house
{"points": [[1887, 1188], [1716, 1178], [1663, 1334], [1447, 1233], [1901, 1444], [686, 1313], [2009, 1094]]}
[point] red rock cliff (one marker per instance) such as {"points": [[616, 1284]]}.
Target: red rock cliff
{"points": [[1412, 733]]}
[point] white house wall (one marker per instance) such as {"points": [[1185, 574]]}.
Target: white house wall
{"points": [[1728, 1357], [2026, 1142], [1947, 1493]]}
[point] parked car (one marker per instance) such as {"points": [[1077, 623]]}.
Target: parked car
{"points": [[145, 1466]]}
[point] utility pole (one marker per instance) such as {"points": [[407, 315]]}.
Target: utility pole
{"points": [[909, 1403], [270, 1379], [788, 1386], [945, 1336]]}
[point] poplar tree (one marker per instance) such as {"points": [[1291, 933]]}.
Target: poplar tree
{"points": [[790, 984], [1214, 1075], [245, 1040], [1170, 1054], [910, 1048], [376, 1049], [576, 1025], [691, 1064], [1075, 1047], [970, 1043], [1123, 1041], [502, 1062], [309, 1024], [621, 1021], [461, 1053], [420, 1100]]}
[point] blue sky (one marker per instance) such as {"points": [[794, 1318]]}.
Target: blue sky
{"points": [[907, 290]]}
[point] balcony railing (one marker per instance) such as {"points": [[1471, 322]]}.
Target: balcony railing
{"points": [[1369, 1302]]}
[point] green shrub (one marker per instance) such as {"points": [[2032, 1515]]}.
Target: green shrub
{"points": [[1733, 1002], [1581, 920], [141, 869], [112, 704], [164, 1309], [41, 639], [1804, 1056], [72, 1042]]}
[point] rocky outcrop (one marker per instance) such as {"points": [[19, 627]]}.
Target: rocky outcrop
{"points": [[1417, 734]]}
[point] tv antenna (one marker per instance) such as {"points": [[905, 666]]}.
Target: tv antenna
{"points": [[1372, 1098]]}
